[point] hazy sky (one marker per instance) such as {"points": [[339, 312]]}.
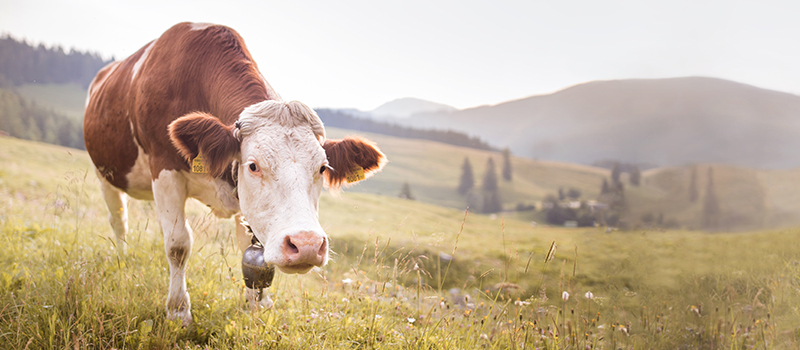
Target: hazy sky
{"points": [[463, 53]]}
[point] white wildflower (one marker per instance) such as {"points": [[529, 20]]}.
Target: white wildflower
{"points": [[565, 295], [345, 300], [411, 319], [347, 281]]}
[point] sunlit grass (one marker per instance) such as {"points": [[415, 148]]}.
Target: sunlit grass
{"points": [[404, 275]]}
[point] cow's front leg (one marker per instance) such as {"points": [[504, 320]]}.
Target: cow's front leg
{"points": [[169, 192]]}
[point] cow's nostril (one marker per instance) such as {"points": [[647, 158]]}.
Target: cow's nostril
{"points": [[323, 248], [292, 248]]}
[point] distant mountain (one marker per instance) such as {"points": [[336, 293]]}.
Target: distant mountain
{"points": [[662, 121], [405, 107]]}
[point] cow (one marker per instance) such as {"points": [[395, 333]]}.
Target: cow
{"points": [[190, 115]]}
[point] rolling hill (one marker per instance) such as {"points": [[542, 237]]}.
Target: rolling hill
{"points": [[663, 121], [749, 198]]}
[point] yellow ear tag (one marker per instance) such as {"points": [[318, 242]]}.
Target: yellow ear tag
{"points": [[197, 166], [356, 174]]}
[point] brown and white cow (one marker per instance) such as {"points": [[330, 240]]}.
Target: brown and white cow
{"points": [[196, 91]]}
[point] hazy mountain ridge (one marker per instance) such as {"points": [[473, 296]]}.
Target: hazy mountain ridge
{"points": [[408, 106], [664, 121]]}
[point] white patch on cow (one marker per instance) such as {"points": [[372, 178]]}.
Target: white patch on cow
{"points": [[141, 60], [200, 26], [140, 179], [281, 199], [97, 83], [217, 194]]}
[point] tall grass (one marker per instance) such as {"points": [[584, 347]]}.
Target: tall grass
{"points": [[464, 282]]}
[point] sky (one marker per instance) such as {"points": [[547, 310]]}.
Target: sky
{"points": [[360, 54]]}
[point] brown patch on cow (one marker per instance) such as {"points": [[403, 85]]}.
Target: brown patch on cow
{"points": [[348, 153], [202, 134], [185, 71], [178, 255]]}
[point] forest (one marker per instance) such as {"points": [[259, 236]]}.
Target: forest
{"points": [[25, 120], [342, 120], [21, 64]]}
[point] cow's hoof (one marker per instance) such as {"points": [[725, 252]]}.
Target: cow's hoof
{"points": [[185, 316], [258, 299]]}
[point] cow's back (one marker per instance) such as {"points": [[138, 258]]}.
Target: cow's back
{"points": [[191, 67]]}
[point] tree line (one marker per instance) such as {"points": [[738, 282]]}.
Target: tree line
{"points": [[23, 119], [22, 63], [338, 119]]}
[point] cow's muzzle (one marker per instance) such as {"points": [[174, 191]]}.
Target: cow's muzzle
{"points": [[302, 251]]}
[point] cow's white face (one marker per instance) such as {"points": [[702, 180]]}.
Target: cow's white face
{"points": [[279, 187], [279, 184], [282, 157]]}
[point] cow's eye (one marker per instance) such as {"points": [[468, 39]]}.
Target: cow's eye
{"points": [[322, 169], [253, 167]]}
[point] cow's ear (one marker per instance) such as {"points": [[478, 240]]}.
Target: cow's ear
{"points": [[350, 159], [200, 133]]}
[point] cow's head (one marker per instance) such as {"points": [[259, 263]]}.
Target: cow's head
{"points": [[282, 160]]}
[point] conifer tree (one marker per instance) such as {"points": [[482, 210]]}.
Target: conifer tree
{"points": [[492, 202], [693, 193], [604, 188], [615, 173], [467, 181], [507, 164], [491, 197], [490, 179], [573, 193], [636, 176], [710, 204], [405, 192]]}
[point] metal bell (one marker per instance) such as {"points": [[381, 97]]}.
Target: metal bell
{"points": [[257, 273]]}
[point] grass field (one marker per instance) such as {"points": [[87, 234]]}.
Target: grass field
{"points": [[405, 275]]}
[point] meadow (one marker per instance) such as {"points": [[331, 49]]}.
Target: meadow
{"points": [[749, 198], [404, 274]]}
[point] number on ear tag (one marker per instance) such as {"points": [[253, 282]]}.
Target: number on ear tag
{"points": [[356, 174], [197, 166]]}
